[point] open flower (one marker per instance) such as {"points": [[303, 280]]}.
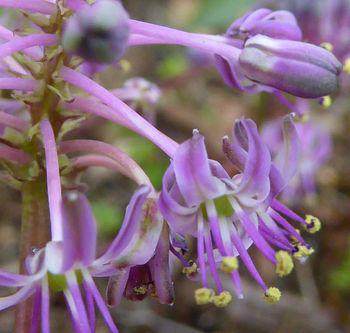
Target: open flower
{"points": [[227, 215], [67, 265]]}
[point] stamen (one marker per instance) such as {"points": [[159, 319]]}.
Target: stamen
{"points": [[346, 67], [284, 263], [229, 264], [313, 224], [326, 101], [190, 269], [203, 296], [222, 300], [140, 290], [272, 295], [328, 46], [303, 251]]}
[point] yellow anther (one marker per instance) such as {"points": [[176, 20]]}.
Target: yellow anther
{"points": [[326, 101], [229, 264], [141, 290], [293, 239], [328, 46], [346, 67], [203, 296], [190, 269], [284, 264], [272, 295], [125, 65], [313, 224], [303, 251], [222, 300], [304, 118]]}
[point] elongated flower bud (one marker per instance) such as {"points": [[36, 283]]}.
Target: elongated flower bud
{"points": [[277, 24], [98, 33], [301, 69]]}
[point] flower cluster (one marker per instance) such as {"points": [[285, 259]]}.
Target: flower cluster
{"points": [[48, 65]]}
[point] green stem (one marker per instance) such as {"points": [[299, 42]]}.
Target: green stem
{"points": [[35, 233]]}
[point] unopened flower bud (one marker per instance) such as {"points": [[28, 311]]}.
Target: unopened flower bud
{"points": [[98, 33], [277, 24], [298, 68]]}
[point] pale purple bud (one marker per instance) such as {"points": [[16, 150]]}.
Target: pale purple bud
{"points": [[98, 33], [298, 68], [277, 24]]}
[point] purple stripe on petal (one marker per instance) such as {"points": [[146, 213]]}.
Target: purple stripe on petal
{"points": [[79, 229], [90, 306], [193, 174], [76, 304], [8, 279], [138, 237], [45, 306], [245, 257], [36, 311], [160, 268], [130, 224], [200, 250], [18, 297], [211, 261], [100, 302], [116, 286], [182, 219]]}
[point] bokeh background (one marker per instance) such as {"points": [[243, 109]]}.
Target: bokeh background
{"points": [[316, 295]]}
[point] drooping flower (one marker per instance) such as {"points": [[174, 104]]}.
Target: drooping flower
{"points": [[301, 69], [272, 31], [68, 262], [315, 151], [227, 215]]}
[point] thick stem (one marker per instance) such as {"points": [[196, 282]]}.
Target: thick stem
{"points": [[34, 234]]}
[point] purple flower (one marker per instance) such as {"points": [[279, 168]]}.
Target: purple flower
{"points": [[279, 24], [69, 259], [298, 68], [250, 53], [62, 266], [150, 279], [227, 215], [316, 148], [98, 33], [322, 21]]}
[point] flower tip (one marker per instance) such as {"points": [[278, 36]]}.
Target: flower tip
{"points": [[222, 300], [313, 224], [272, 295], [284, 263], [229, 264], [204, 296]]}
